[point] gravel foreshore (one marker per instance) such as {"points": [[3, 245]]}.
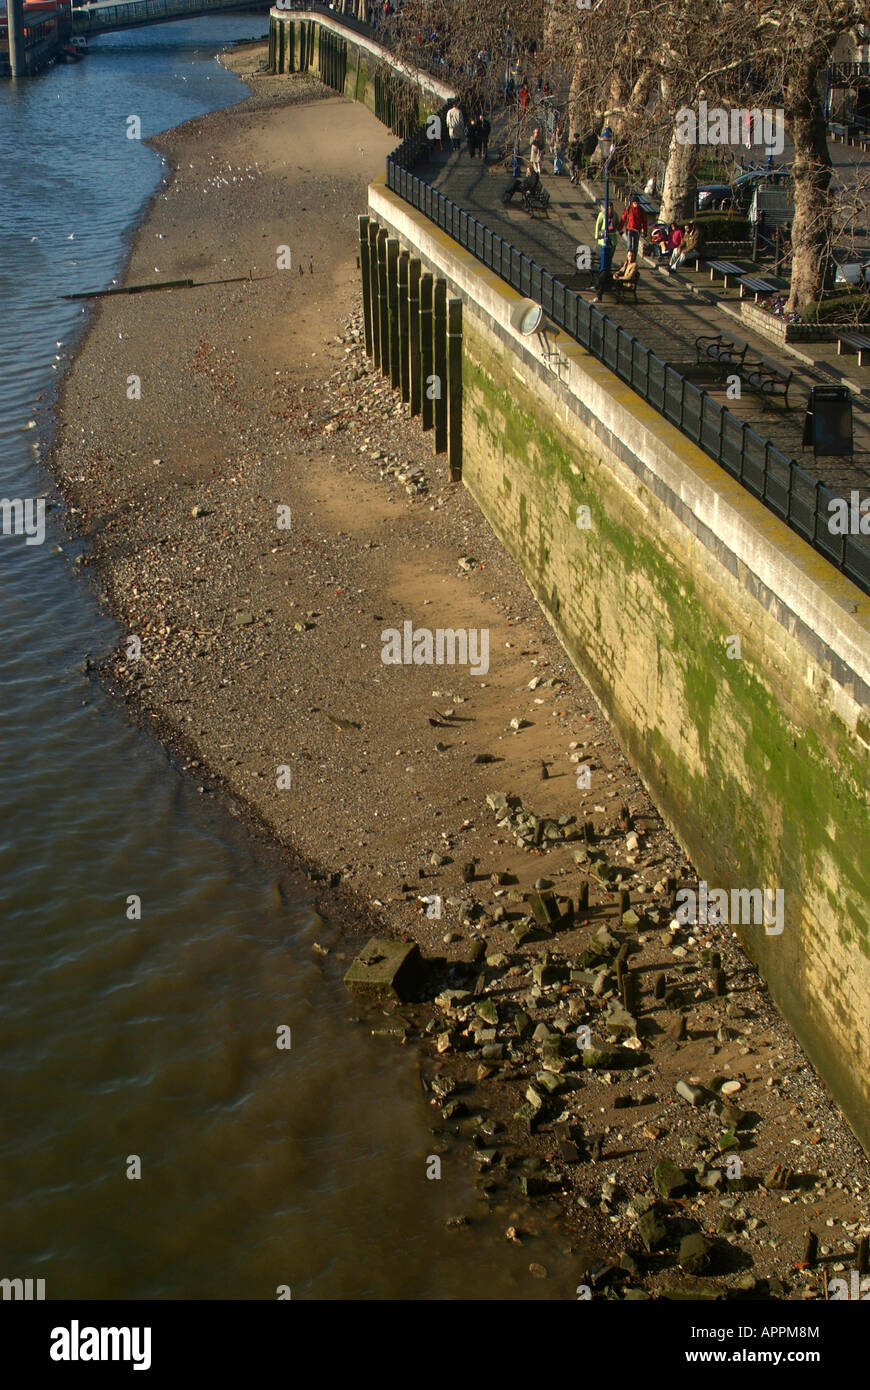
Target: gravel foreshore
{"points": [[259, 514]]}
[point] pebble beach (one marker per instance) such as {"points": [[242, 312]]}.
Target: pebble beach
{"points": [[259, 510]]}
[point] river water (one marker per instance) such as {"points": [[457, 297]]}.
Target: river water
{"points": [[155, 1038]]}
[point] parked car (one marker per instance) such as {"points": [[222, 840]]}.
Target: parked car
{"points": [[738, 195], [853, 273]]}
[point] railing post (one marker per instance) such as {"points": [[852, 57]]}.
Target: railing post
{"points": [[414, 272], [427, 281]]}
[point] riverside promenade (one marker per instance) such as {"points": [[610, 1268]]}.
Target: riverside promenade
{"points": [[672, 310]]}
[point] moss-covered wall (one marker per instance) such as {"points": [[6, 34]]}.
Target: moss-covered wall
{"points": [[759, 763], [746, 757], [295, 45]]}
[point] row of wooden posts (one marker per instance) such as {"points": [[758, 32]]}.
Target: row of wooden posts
{"points": [[413, 333]]}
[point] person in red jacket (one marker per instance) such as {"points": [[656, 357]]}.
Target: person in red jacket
{"points": [[633, 222]]}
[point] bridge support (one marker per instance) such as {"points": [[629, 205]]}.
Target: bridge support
{"points": [[15, 23]]}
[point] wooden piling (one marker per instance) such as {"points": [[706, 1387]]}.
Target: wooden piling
{"points": [[374, 229], [427, 283], [365, 277], [439, 385], [404, 337], [393, 308], [383, 307], [414, 272], [454, 393]]}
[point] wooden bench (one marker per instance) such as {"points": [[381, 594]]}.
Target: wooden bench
{"points": [[755, 286], [727, 269], [766, 378], [726, 351], [538, 201], [855, 342]]}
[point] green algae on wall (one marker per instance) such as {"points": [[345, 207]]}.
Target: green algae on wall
{"points": [[758, 776]]}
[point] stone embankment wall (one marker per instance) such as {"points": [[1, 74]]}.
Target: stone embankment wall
{"points": [[731, 659], [353, 64]]}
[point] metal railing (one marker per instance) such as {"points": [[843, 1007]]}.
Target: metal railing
{"points": [[380, 30], [93, 19], [770, 475], [799, 499]]}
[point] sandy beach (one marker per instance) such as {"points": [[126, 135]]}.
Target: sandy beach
{"points": [[260, 510]]}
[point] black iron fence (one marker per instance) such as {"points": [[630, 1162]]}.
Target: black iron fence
{"points": [[781, 484], [799, 499]]}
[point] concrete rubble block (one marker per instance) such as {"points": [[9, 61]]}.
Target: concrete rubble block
{"points": [[669, 1180], [544, 907], [696, 1253], [652, 1231], [385, 969], [693, 1094]]}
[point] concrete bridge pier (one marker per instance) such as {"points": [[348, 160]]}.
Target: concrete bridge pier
{"points": [[15, 23]]}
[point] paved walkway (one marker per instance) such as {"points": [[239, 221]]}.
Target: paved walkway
{"points": [[672, 310]]}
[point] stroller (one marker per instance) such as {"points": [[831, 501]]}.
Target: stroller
{"points": [[659, 235]]}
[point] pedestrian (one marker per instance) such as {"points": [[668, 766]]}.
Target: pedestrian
{"points": [[529, 184], [605, 238], [633, 222], [484, 130], [537, 150], [524, 98], [575, 157], [455, 126], [558, 148], [473, 136]]}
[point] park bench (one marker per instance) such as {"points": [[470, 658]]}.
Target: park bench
{"points": [[726, 351], [538, 201], [766, 378], [856, 342], [727, 269], [755, 286]]}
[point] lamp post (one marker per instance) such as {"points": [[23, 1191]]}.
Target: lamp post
{"points": [[605, 140], [516, 160]]}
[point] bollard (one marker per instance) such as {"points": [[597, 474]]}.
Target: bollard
{"points": [[439, 384], [414, 271], [383, 309], [404, 344], [365, 276], [427, 282], [454, 393], [393, 307]]}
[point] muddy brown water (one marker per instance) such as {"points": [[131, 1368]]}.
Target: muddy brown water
{"points": [[153, 1037]]}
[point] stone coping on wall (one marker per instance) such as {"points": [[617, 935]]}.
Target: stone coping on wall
{"points": [[370, 46], [795, 582]]}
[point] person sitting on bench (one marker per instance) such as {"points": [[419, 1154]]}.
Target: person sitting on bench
{"points": [[625, 278], [530, 184]]}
